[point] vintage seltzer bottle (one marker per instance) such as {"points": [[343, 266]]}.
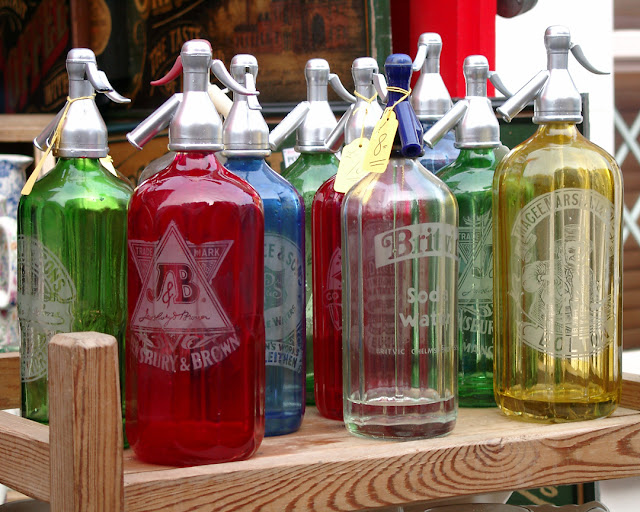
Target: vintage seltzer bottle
{"points": [[400, 269], [72, 231], [313, 121], [195, 339], [355, 128], [557, 213], [246, 144], [470, 178], [430, 100]]}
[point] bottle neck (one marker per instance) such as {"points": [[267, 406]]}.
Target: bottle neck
{"points": [[248, 164], [79, 165], [562, 133], [316, 92], [80, 162], [195, 80], [190, 160], [317, 158], [476, 155], [558, 60]]}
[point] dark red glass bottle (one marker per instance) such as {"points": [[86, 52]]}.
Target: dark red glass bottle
{"points": [[195, 343], [327, 304]]}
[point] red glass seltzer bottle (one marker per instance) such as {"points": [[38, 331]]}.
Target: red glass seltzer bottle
{"points": [[359, 121], [196, 339]]}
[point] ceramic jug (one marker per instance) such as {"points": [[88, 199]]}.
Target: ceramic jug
{"points": [[12, 179]]}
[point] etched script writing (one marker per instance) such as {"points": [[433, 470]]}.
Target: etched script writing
{"points": [[416, 241]]}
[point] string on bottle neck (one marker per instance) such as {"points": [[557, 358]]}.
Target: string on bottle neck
{"points": [[405, 94], [26, 190], [366, 110]]}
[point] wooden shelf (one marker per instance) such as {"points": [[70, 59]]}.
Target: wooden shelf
{"points": [[321, 467], [22, 127]]}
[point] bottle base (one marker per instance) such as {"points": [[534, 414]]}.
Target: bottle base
{"points": [[192, 443], [403, 419], [530, 408], [281, 424], [406, 432], [476, 390]]}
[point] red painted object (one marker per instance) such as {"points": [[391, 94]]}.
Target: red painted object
{"points": [[195, 344], [327, 299], [467, 27]]}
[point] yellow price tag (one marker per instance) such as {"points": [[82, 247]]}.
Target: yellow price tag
{"points": [[350, 170], [379, 150]]}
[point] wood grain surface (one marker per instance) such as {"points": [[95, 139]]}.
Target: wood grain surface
{"points": [[85, 418], [10, 380], [24, 456], [322, 468], [319, 468]]}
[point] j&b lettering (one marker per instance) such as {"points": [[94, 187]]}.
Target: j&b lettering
{"points": [[180, 287]]}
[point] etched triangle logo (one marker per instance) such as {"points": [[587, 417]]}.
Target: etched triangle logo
{"points": [[176, 296]]}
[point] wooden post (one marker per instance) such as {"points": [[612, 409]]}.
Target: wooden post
{"points": [[85, 421], [10, 380]]}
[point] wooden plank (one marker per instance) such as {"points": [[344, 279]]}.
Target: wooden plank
{"points": [[24, 456], [85, 423], [321, 467], [22, 127], [630, 391], [10, 380]]}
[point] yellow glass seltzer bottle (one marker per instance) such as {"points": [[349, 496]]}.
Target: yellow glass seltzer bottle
{"points": [[557, 220]]}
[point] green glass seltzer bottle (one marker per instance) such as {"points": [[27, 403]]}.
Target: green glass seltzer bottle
{"points": [[71, 235], [470, 179]]}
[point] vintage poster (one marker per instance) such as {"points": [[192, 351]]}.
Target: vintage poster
{"points": [[282, 34]]}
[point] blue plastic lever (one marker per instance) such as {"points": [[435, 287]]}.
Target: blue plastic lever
{"points": [[398, 70]]}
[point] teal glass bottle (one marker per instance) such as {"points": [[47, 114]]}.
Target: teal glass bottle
{"points": [[307, 174], [470, 178], [72, 264]]}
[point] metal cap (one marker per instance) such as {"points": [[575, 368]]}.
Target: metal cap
{"points": [[479, 127], [245, 132], [365, 114], [361, 118], [194, 123], [473, 118], [83, 132], [559, 100], [556, 96], [430, 98], [320, 120]]}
